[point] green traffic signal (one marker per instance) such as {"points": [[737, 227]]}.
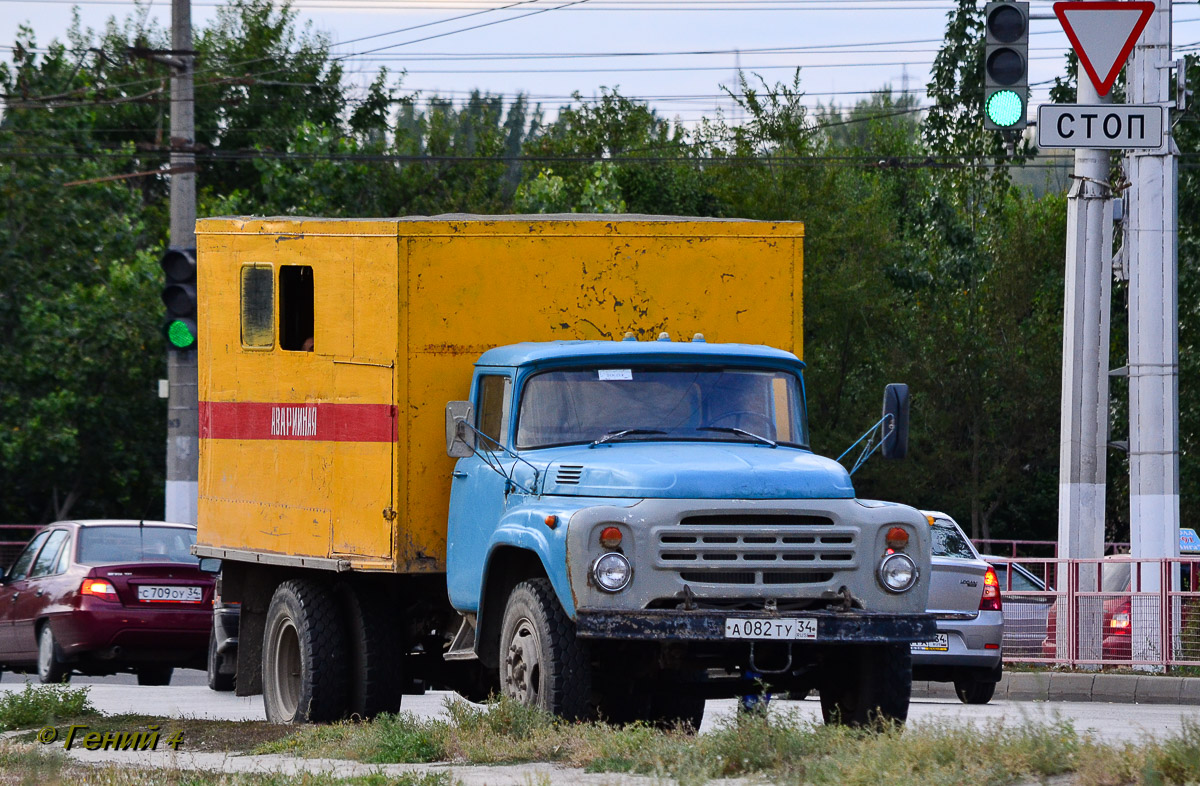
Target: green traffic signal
{"points": [[180, 334], [1005, 108]]}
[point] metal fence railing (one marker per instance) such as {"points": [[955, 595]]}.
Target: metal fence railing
{"points": [[1115, 611]]}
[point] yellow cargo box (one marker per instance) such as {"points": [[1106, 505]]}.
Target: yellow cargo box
{"points": [[328, 349]]}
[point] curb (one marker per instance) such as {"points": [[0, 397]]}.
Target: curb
{"points": [[1075, 686]]}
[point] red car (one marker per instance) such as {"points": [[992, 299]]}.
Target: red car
{"points": [[101, 597], [1115, 579]]}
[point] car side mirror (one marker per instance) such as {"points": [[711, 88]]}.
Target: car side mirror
{"points": [[893, 431], [210, 565], [460, 439]]}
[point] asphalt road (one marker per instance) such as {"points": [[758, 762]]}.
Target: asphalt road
{"points": [[189, 696]]}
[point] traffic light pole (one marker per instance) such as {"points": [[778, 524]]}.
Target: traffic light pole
{"points": [[183, 419], [1084, 434], [1151, 241]]}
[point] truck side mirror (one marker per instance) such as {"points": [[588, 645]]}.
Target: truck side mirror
{"points": [[893, 431], [209, 565], [460, 440]]}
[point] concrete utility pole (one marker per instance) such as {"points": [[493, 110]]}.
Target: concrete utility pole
{"points": [[183, 419], [1084, 434], [1151, 242]]}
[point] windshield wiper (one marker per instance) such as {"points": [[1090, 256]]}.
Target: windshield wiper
{"points": [[742, 431], [610, 436]]}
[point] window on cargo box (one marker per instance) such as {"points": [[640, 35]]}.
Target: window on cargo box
{"points": [[296, 308], [493, 405], [258, 306]]}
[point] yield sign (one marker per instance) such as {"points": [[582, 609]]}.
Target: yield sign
{"points": [[1103, 34]]}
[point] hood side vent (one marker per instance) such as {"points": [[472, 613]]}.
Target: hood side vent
{"points": [[569, 474]]}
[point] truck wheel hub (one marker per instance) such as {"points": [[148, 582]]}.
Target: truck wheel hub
{"points": [[522, 666]]}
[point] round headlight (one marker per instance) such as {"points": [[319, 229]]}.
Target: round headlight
{"points": [[612, 572], [898, 573]]}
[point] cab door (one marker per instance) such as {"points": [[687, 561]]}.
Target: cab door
{"points": [[477, 495]]}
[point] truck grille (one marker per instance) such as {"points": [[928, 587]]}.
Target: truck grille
{"points": [[756, 550]]}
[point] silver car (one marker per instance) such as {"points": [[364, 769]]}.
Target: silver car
{"points": [[964, 593], [1026, 611]]}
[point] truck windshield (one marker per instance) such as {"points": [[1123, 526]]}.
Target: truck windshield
{"points": [[678, 403]]}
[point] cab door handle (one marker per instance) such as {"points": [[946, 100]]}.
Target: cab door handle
{"points": [[457, 474], [15, 595], [39, 593]]}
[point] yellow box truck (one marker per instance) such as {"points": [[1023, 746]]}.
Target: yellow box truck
{"points": [[563, 458]]}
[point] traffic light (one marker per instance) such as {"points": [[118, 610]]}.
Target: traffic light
{"points": [[1005, 65], [179, 296]]}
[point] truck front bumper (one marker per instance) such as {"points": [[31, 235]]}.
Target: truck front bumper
{"points": [[833, 627]]}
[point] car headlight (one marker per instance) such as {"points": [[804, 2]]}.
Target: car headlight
{"points": [[898, 573], [612, 572]]}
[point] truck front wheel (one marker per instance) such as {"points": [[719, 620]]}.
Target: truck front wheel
{"points": [[542, 663], [867, 685], [304, 655]]}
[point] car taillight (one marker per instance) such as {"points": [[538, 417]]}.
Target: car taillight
{"points": [[991, 592], [99, 588], [1119, 623]]}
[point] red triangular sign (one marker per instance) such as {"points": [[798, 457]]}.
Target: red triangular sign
{"points": [[1103, 34]]}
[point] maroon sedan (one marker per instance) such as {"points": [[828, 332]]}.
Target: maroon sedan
{"points": [[101, 597]]}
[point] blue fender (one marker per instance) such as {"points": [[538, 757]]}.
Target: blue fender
{"points": [[525, 528]]}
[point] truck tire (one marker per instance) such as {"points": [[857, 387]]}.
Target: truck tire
{"points": [[376, 658], [974, 691], [867, 685], [216, 680], [542, 663], [304, 655]]}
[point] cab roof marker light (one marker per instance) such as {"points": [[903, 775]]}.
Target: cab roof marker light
{"points": [[698, 339], [664, 336], [629, 336]]}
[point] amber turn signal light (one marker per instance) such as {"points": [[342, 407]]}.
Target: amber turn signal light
{"points": [[897, 538], [610, 537]]}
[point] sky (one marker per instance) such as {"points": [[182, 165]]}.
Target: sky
{"points": [[677, 54]]}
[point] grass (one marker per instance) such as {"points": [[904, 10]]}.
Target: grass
{"points": [[780, 747], [41, 705], [24, 764]]}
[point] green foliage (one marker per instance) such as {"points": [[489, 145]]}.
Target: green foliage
{"points": [[41, 705], [547, 193]]}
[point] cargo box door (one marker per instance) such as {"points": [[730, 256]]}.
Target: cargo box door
{"points": [[364, 458]]}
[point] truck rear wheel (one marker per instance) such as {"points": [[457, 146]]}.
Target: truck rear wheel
{"points": [[542, 663], [867, 685], [376, 659], [304, 655]]}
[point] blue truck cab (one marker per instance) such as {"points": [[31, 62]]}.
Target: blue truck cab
{"points": [[636, 526]]}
